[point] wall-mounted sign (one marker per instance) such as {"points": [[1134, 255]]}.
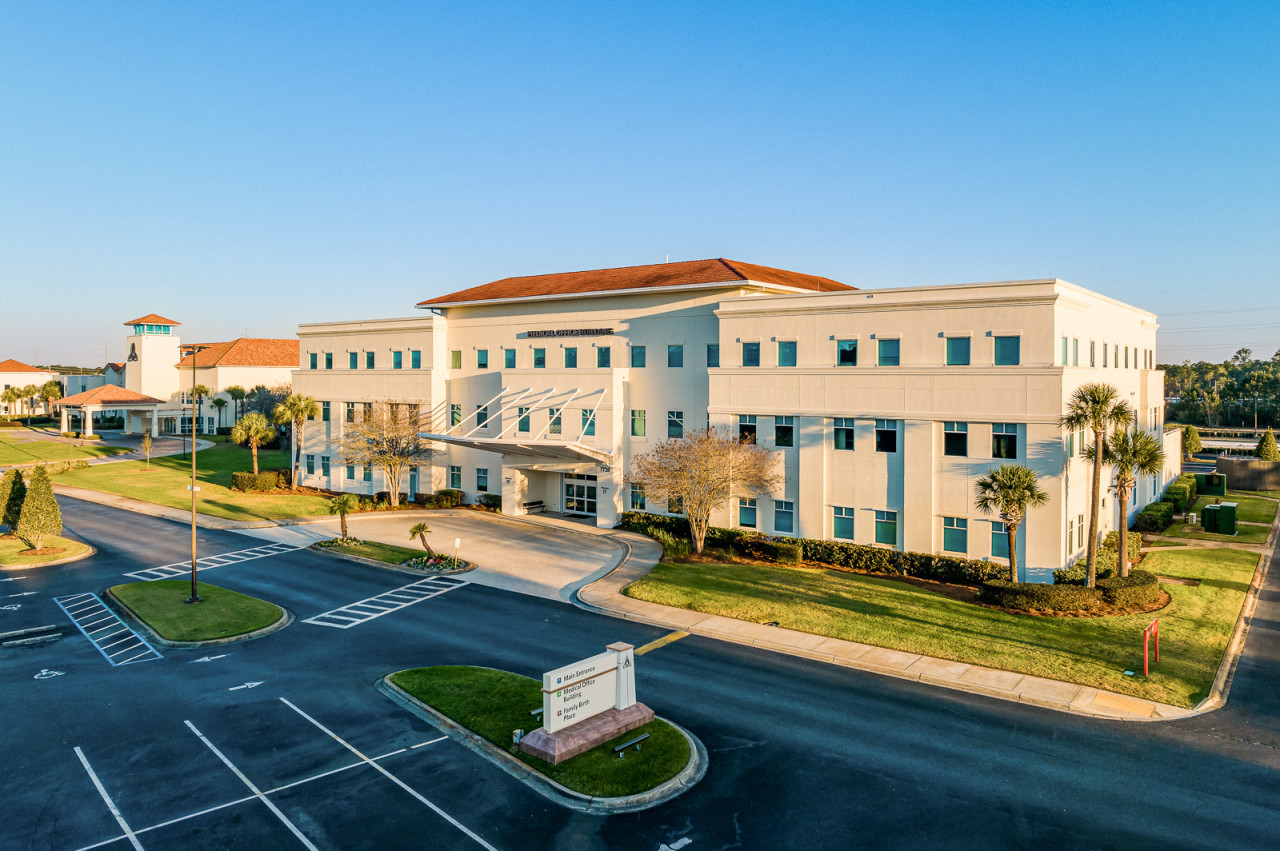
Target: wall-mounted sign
{"points": [[572, 332]]}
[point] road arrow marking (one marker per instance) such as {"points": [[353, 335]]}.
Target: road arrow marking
{"points": [[23, 594], [246, 685], [208, 658], [46, 674]]}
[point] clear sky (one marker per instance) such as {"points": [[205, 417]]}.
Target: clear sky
{"points": [[244, 167]]}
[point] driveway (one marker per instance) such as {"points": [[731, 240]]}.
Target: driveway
{"points": [[543, 556]]}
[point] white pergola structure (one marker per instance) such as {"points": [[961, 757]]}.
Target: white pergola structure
{"points": [[109, 397]]}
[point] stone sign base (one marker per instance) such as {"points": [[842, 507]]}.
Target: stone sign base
{"points": [[578, 738]]}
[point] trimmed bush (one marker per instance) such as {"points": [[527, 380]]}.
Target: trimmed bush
{"points": [[783, 552], [1179, 495], [491, 500], [1038, 596], [1077, 573], [1112, 542], [40, 514], [1139, 588], [267, 480], [1156, 517], [1266, 449], [453, 498], [13, 490], [382, 496]]}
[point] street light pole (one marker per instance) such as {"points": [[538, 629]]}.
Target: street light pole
{"points": [[192, 350]]}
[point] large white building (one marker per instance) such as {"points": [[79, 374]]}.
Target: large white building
{"points": [[883, 406]]}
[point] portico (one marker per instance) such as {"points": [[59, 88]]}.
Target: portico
{"points": [[138, 409]]}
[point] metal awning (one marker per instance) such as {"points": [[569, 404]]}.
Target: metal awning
{"points": [[554, 450]]}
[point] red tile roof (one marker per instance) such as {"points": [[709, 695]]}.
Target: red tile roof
{"points": [[245, 351], [108, 394], [12, 365], [152, 319], [681, 274]]}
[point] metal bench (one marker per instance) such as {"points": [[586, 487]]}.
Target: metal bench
{"points": [[620, 749], [536, 505]]}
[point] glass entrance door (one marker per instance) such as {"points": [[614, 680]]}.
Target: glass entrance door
{"points": [[579, 494]]}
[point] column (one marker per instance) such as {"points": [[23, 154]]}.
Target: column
{"points": [[87, 415], [64, 428], [155, 423]]}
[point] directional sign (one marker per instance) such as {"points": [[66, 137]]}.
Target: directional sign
{"points": [[576, 692], [246, 685]]}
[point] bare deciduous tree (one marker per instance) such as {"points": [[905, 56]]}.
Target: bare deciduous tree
{"points": [[703, 471], [385, 435]]}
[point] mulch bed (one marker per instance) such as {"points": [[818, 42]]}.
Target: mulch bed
{"points": [[43, 551]]}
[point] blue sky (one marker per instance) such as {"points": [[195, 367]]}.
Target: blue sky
{"points": [[244, 167]]}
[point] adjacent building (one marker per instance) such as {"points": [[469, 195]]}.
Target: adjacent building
{"points": [[883, 406], [16, 374]]}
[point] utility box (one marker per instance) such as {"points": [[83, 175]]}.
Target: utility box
{"points": [[1211, 484], [1210, 517], [1227, 518]]}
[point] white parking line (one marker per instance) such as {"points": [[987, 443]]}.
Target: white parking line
{"points": [[386, 602], [396, 780], [254, 789], [183, 568], [86, 611], [111, 805]]}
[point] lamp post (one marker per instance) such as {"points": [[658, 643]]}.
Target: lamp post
{"points": [[192, 350]]}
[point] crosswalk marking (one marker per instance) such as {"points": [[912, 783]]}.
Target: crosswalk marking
{"points": [[100, 625], [386, 602], [183, 568]]}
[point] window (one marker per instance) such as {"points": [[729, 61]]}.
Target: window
{"points": [[675, 423], [1064, 351], [955, 439], [675, 504], [842, 523], [604, 357], [455, 415], [349, 412], [571, 357], [522, 424], [886, 435], [746, 428], [415, 359], [1080, 532], [351, 472], [784, 516], [1115, 356], [455, 359], [397, 360], [455, 478], [784, 431], [713, 355], [750, 354], [1093, 353], [957, 351], [999, 540], [370, 359], [324, 466], [1008, 351], [747, 513], [1071, 534], [843, 433], [847, 353], [1126, 357], [1075, 352], [482, 358], [412, 409], [637, 423], [311, 464], [508, 358], [588, 423], [675, 356], [328, 360], [482, 416], [787, 353], [353, 360], [889, 352], [887, 528], [482, 479], [553, 426], [1004, 440], [955, 535], [539, 358], [324, 412], [312, 359], [637, 497], [367, 473], [637, 356]]}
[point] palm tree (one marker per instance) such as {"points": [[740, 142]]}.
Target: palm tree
{"points": [[30, 394], [420, 531], [342, 505], [254, 430], [1009, 490], [1097, 407], [218, 404], [199, 393], [1130, 454], [295, 409], [50, 391], [10, 396], [237, 394]]}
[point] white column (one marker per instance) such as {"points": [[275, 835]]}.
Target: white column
{"points": [[88, 420], [155, 423], [626, 678], [64, 419]]}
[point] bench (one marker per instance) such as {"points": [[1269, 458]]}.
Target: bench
{"points": [[536, 505], [620, 749]]}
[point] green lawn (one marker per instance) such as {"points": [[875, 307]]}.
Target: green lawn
{"points": [[1271, 494], [1244, 534], [223, 613], [389, 553], [493, 703], [21, 449], [9, 550], [167, 480], [1251, 510], [1090, 651], [1162, 544]]}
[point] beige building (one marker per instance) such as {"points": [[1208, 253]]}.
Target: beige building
{"points": [[16, 374], [883, 406]]}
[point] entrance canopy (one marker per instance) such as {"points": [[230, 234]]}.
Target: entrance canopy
{"points": [[551, 450], [109, 397]]}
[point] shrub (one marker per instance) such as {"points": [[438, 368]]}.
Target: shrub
{"points": [[1077, 573], [91, 437], [453, 498], [1139, 588], [783, 552], [674, 547], [40, 514], [1190, 441], [284, 478], [1266, 449], [1112, 542], [1156, 517], [1179, 495], [267, 480], [1038, 596], [382, 496], [491, 500], [13, 490], [430, 500]]}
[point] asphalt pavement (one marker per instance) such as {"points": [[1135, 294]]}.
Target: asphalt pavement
{"points": [[283, 741]]}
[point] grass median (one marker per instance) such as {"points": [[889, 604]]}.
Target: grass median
{"points": [[11, 550], [493, 703], [388, 553], [1195, 626], [162, 606], [167, 479]]}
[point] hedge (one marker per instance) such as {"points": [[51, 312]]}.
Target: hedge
{"points": [[1181, 492], [431, 500], [1028, 596], [1139, 588], [1156, 517], [783, 552], [491, 500], [452, 497], [267, 480]]}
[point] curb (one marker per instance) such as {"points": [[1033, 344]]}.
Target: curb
{"points": [[91, 551], [693, 771], [286, 618], [373, 562]]}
